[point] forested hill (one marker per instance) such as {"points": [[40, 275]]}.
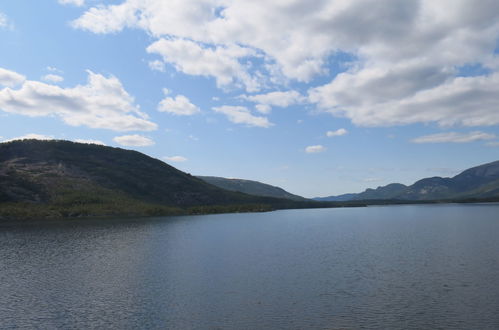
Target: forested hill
{"points": [[251, 187], [63, 178]]}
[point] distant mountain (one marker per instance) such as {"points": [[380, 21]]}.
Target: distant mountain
{"points": [[339, 198], [250, 187], [480, 182], [390, 191], [43, 179], [477, 182]]}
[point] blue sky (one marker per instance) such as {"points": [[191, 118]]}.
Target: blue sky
{"points": [[319, 97]]}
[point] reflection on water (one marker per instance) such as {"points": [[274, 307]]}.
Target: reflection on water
{"points": [[433, 266]]}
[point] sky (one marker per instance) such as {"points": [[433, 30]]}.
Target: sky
{"points": [[319, 97]]}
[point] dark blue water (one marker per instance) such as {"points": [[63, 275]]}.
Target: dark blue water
{"points": [[405, 267]]}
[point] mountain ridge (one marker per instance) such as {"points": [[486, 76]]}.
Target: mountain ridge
{"points": [[250, 187], [478, 182]]}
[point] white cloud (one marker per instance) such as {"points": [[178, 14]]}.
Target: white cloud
{"points": [[78, 3], [10, 78], [178, 105], [468, 101], [54, 78], [263, 108], [31, 136], [5, 22], [338, 132], [175, 159], [289, 34], [454, 137], [53, 69], [493, 144], [277, 99], [241, 115], [299, 36], [315, 149], [133, 140], [402, 57], [90, 141], [108, 19], [157, 65], [195, 59], [101, 103]]}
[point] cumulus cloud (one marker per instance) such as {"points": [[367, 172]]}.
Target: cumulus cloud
{"points": [[289, 33], [53, 69], [90, 141], [101, 103], [10, 78], [263, 108], [31, 136], [454, 137], [5, 23], [175, 159], [109, 19], [241, 115], [3, 20], [220, 62], [54, 78], [468, 101], [134, 140], [157, 65], [338, 132], [265, 102], [403, 58], [178, 105], [78, 3], [315, 149]]}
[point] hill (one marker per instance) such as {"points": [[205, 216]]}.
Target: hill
{"points": [[63, 178], [477, 183], [250, 187], [338, 198]]}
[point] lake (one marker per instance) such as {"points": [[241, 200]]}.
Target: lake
{"points": [[411, 267]]}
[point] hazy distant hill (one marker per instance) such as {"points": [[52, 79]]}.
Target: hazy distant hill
{"points": [[339, 198], [62, 178], [250, 187], [480, 182], [477, 182]]}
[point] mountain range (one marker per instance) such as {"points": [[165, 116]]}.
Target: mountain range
{"points": [[480, 182], [58, 179]]}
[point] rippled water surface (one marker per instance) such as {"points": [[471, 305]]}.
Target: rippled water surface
{"points": [[433, 266]]}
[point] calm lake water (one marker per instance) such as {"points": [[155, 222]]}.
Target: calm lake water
{"points": [[433, 266]]}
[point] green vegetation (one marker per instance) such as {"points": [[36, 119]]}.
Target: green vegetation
{"points": [[62, 179], [250, 187]]}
